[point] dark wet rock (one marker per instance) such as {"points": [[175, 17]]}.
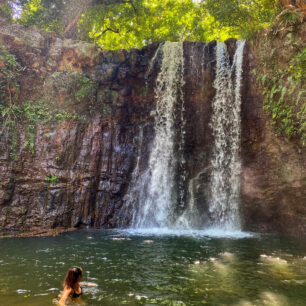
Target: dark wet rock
{"points": [[125, 91]]}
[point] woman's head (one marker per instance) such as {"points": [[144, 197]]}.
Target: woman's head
{"points": [[73, 276]]}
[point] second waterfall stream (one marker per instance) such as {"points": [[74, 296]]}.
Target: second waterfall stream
{"points": [[157, 204]]}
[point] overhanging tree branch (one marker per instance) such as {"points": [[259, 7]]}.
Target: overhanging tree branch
{"points": [[111, 30]]}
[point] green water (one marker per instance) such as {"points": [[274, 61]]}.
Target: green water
{"points": [[148, 270]]}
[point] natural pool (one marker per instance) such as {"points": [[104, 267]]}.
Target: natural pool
{"points": [[175, 268]]}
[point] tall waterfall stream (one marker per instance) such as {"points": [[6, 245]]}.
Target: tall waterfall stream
{"points": [[226, 127], [156, 205], [154, 195]]}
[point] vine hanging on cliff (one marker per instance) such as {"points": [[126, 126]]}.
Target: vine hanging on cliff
{"points": [[9, 91]]}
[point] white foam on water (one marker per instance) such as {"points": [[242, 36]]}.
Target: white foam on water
{"points": [[41, 294], [211, 233], [23, 291], [234, 234]]}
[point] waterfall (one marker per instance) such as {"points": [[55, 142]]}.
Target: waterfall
{"points": [[226, 128], [190, 218], [158, 198], [157, 195]]}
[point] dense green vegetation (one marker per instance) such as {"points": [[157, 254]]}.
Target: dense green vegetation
{"points": [[115, 24], [9, 110], [285, 97], [281, 75], [45, 14]]}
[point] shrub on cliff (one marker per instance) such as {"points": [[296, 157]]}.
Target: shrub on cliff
{"points": [[281, 74]]}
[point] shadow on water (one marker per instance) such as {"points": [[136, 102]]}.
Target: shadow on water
{"points": [[149, 269]]}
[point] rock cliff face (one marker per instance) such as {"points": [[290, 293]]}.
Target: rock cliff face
{"points": [[82, 165], [274, 170], [91, 158]]}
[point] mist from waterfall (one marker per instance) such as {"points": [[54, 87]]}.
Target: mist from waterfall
{"points": [[156, 206], [226, 128]]}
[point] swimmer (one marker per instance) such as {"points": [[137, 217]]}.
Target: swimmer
{"points": [[72, 285]]}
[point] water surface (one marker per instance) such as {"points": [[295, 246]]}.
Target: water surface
{"points": [[171, 268]]}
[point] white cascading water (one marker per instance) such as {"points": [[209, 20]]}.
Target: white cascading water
{"points": [[190, 217], [154, 193], [226, 128], [157, 204]]}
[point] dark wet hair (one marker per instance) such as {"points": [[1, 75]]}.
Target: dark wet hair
{"points": [[73, 276]]}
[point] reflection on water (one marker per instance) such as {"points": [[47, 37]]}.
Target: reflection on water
{"points": [[146, 269]]}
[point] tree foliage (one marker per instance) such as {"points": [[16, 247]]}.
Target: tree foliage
{"points": [[242, 17], [135, 23], [5, 8], [115, 24], [139, 22], [45, 14]]}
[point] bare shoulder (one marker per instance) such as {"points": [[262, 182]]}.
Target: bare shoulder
{"points": [[67, 289]]}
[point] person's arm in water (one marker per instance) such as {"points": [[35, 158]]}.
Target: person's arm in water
{"points": [[65, 294], [88, 284]]}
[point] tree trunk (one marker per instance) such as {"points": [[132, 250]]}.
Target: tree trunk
{"points": [[73, 12]]}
